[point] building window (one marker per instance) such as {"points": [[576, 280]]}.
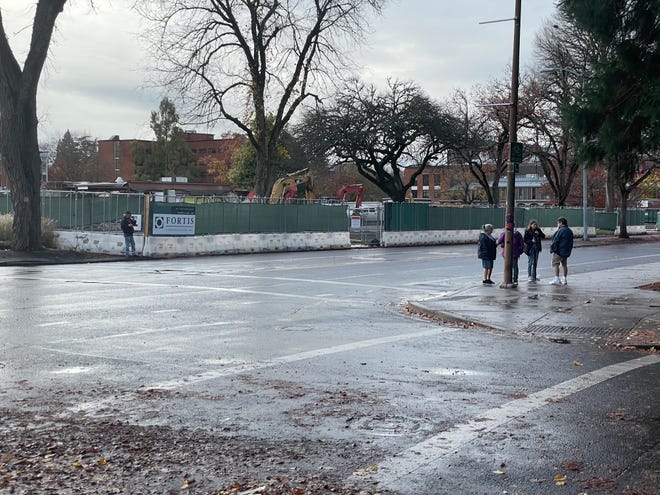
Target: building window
{"points": [[425, 180], [115, 152]]}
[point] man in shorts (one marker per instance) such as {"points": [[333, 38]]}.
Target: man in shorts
{"points": [[561, 247]]}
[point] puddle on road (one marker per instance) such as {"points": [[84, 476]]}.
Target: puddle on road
{"points": [[389, 427], [75, 370]]}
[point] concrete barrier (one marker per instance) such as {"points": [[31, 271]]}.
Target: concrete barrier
{"points": [[113, 243], [431, 237], [157, 246]]}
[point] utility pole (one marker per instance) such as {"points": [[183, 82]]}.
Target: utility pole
{"points": [[515, 157]]}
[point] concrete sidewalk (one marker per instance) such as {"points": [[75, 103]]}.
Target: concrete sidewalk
{"points": [[607, 307]]}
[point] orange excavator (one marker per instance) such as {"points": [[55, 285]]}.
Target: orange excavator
{"points": [[357, 189]]}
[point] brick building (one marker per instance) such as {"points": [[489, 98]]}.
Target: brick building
{"points": [[116, 156], [452, 182], [432, 184]]}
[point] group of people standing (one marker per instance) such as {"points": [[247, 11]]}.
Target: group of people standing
{"points": [[528, 243]]}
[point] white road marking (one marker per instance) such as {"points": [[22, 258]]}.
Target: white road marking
{"points": [[292, 358], [93, 406], [425, 455], [53, 324], [146, 331], [243, 291]]}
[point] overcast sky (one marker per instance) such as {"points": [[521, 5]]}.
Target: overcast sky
{"points": [[95, 81]]}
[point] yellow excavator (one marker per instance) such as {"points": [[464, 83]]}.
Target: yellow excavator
{"points": [[296, 185]]}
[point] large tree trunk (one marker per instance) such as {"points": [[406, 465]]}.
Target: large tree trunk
{"points": [[19, 144], [609, 190], [263, 173], [20, 150], [623, 213]]}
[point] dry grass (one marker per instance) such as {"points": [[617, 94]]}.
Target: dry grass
{"points": [[5, 229], [47, 231]]}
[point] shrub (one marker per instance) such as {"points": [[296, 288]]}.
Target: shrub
{"points": [[5, 228], [47, 231]]}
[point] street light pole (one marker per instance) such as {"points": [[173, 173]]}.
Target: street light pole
{"points": [[585, 227], [509, 221]]}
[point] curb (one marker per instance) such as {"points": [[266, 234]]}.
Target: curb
{"points": [[450, 317]]}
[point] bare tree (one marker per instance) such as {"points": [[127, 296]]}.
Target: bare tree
{"points": [[381, 133], [266, 54], [477, 147], [19, 144], [495, 98], [546, 133]]}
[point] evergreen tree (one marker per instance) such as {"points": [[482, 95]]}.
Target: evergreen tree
{"points": [[169, 155], [76, 159], [619, 112]]}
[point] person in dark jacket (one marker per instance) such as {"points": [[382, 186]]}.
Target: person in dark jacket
{"points": [[487, 252], [561, 248], [516, 251], [532, 238], [127, 227]]}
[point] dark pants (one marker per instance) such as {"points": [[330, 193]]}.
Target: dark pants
{"points": [[532, 262], [514, 269]]}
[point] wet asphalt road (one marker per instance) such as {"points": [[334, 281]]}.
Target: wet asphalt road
{"points": [[314, 346]]}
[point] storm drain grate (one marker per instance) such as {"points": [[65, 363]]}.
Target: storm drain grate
{"points": [[566, 330]]}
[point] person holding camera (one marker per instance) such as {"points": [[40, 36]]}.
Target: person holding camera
{"points": [[532, 238], [127, 227]]}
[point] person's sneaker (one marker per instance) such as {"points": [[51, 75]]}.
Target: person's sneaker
{"points": [[490, 282], [530, 279], [564, 281], [485, 282], [555, 281]]}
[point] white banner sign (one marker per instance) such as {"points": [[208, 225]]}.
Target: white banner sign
{"points": [[168, 224]]}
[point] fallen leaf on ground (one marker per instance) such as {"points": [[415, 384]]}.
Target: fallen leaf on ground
{"points": [[616, 414], [254, 491], [577, 363], [362, 472], [560, 479], [573, 465], [498, 471], [602, 483]]}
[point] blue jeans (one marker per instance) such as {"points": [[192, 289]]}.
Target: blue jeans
{"points": [[514, 269], [532, 262], [129, 245]]}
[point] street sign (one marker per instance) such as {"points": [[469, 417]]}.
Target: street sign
{"points": [[516, 152]]}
